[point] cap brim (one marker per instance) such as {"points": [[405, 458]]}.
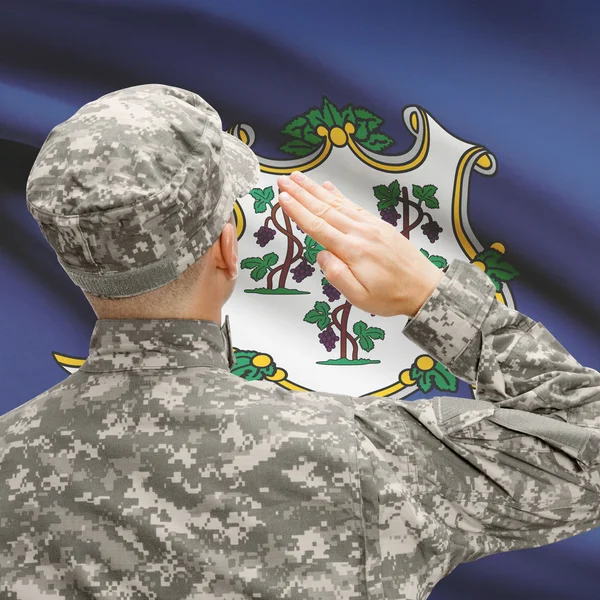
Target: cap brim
{"points": [[242, 165]]}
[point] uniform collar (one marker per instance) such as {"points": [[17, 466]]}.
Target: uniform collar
{"points": [[131, 344]]}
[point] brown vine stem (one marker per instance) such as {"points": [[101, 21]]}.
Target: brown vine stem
{"points": [[407, 203], [292, 241], [343, 329]]}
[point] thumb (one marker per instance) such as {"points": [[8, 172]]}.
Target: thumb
{"points": [[340, 276]]}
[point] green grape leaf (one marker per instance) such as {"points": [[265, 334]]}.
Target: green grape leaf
{"points": [[244, 368], [395, 189], [497, 268], [504, 271], [362, 132], [348, 115], [250, 263], [309, 135], [298, 148], [262, 198], [377, 142], [270, 259], [324, 281], [258, 273], [312, 249], [497, 283], [429, 196], [443, 380], [319, 315], [322, 307], [376, 333], [423, 379], [437, 377], [331, 115], [359, 328], [315, 118], [388, 196], [382, 192], [371, 120], [365, 335], [295, 127], [417, 192], [426, 194], [439, 261], [259, 266], [366, 343]]}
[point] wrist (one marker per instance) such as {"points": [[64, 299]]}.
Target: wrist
{"points": [[423, 291]]}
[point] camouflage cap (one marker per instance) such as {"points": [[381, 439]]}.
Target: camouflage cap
{"points": [[136, 186]]}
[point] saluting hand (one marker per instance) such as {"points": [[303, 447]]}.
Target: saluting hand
{"points": [[366, 259]]}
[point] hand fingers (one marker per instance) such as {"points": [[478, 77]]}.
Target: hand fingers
{"points": [[325, 210], [331, 188], [315, 226], [331, 195], [341, 277]]}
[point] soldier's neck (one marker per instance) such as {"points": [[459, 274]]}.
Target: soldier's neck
{"points": [[196, 312]]}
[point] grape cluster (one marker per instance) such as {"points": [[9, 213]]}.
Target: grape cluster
{"points": [[328, 338], [302, 270], [390, 215], [331, 292], [432, 230], [264, 235]]}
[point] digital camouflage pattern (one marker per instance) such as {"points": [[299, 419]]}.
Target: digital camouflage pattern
{"points": [[136, 186], [155, 473]]}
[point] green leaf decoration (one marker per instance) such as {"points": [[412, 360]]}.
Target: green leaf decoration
{"points": [[377, 142], [365, 335], [250, 263], [331, 114], [426, 194], [312, 249], [295, 127], [348, 115], [298, 148], [309, 135], [437, 377], [245, 369], [362, 131], [497, 268], [429, 196], [303, 128], [262, 198], [394, 188], [319, 315], [417, 191], [324, 281], [382, 192], [271, 259], [439, 261], [259, 266], [315, 118], [371, 120], [388, 195]]}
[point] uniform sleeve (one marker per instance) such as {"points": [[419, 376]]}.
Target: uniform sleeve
{"points": [[518, 466]]}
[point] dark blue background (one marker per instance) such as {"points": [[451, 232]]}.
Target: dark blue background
{"points": [[520, 77]]}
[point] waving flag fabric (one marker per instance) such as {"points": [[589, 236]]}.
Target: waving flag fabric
{"points": [[470, 126]]}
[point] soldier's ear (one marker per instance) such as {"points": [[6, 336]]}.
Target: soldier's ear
{"points": [[226, 251]]}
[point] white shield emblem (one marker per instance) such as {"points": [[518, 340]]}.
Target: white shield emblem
{"points": [[293, 327]]}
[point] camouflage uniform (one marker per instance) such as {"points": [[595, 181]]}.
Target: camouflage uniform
{"points": [[153, 472]]}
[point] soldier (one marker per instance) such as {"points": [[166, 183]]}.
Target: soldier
{"points": [[154, 473]]}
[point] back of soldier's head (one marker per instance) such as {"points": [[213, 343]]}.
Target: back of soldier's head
{"points": [[135, 188]]}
